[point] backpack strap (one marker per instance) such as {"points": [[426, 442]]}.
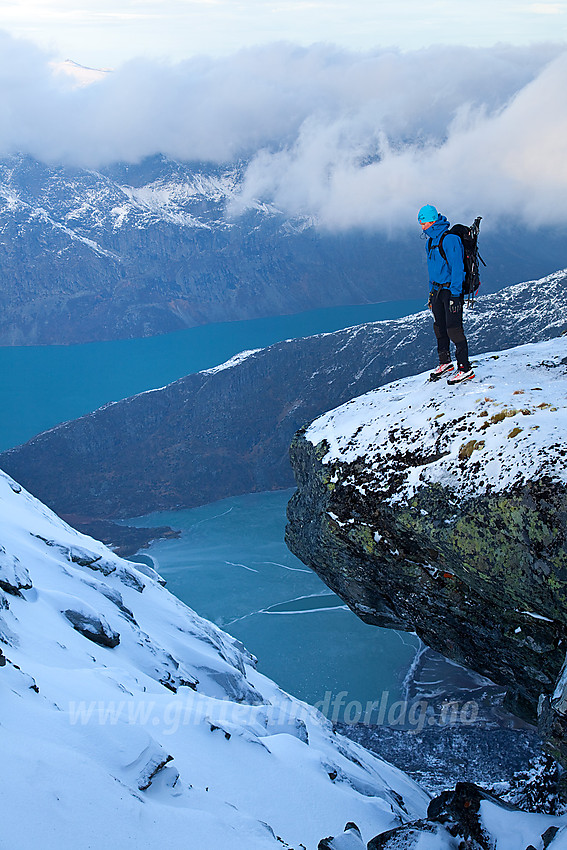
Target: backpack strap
{"points": [[440, 246]]}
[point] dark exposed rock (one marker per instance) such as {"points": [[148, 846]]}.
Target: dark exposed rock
{"points": [[407, 837], [129, 578], [226, 432], [147, 779], [455, 818], [459, 812], [350, 839], [216, 728], [93, 628], [81, 557], [463, 609], [550, 835], [14, 577]]}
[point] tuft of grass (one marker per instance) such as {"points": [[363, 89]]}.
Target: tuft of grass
{"points": [[467, 449], [504, 414]]}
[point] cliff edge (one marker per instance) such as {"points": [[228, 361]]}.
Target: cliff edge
{"points": [[444, 511]]}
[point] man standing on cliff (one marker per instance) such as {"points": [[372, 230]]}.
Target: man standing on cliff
{"points": [[445, 264]]}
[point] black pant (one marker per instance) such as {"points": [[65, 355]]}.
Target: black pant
{"points": [[449, 327]]}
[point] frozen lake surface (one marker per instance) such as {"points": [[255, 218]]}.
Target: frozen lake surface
{"points": [[232, 566]]}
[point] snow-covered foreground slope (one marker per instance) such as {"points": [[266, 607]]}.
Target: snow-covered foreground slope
{"points": [[127, 721]]}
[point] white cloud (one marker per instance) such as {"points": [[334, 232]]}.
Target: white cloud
{"points": [[352, 139], [504, 160], [547, 8]]}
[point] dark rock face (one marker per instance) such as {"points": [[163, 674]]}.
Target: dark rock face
{"points": [[459, 812], [14, 576], [227, 431], [462, 607], [463, 612], [454, 819], [409, 836]]}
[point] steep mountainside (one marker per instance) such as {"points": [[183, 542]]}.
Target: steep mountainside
{"points": [[140, 250], [227, 430], [144, 249], [127, 721], [444, 511]]}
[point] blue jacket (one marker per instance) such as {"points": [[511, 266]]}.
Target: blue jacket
{"points": [[441, 273]]}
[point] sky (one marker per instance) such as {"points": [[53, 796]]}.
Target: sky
{"points": [[353, 115], [105, 33]]}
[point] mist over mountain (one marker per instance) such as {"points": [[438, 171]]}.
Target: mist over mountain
{"points": [[353, 139], [138, 250]]}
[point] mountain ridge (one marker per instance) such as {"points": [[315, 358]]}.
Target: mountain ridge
{"points": [[138, 250], [226, 431]]}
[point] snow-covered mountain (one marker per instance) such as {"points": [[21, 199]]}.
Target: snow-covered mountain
{"points": [[128, 721], [81, 75], [135, 250]]}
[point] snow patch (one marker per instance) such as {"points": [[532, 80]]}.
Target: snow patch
{"points": [[234, 361]]}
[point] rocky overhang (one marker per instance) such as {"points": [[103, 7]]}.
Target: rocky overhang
{"points": [[443, 511]]}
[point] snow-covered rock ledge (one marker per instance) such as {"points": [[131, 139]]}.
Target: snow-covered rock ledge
{"points": [[444, 510]]}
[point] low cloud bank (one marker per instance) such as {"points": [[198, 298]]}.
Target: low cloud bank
{"points": [[350, 139]]}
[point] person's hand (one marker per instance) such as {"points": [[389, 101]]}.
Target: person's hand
{"points": [[430, 302], [455, 305]]}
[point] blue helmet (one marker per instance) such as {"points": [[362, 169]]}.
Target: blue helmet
{"points": [[427, 213]]}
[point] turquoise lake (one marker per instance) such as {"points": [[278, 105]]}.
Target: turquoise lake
{"points": [[41, 386], [231, 564]]}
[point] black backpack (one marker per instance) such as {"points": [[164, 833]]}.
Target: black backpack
{"points": [[469, 238]]}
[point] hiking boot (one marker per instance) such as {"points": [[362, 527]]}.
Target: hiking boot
{"points": [[461, 376], [441, 370]]}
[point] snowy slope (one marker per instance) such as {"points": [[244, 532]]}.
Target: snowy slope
{"points": [[128, 721], [506, 426]]}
